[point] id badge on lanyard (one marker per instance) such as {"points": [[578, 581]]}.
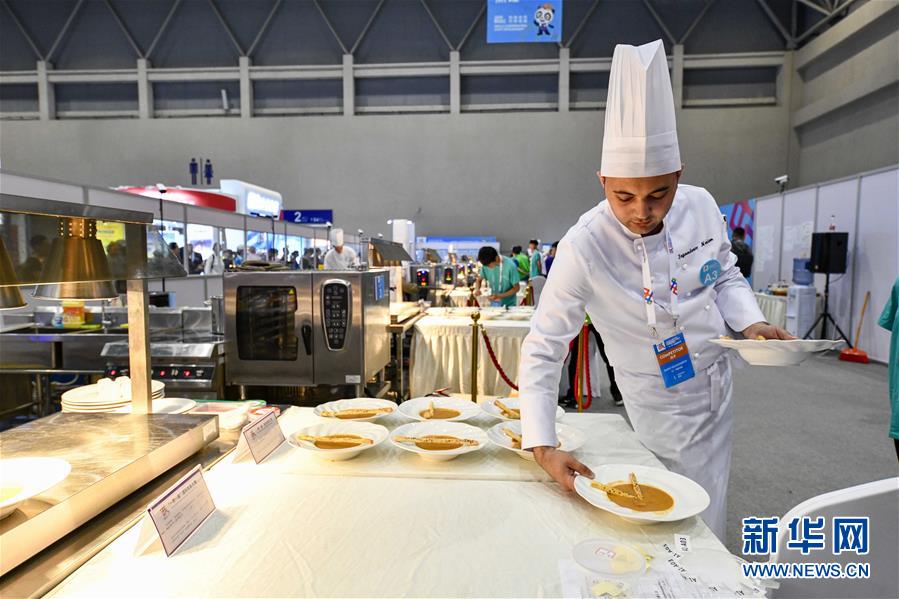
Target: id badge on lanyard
{"points": [[671, 353]]}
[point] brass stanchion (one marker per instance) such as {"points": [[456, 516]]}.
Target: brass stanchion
{"points": [[475, 316]]}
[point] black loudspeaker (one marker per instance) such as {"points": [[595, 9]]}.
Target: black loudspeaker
{"points": [[829, 252]]}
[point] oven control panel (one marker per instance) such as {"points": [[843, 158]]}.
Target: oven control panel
{"points": [[422, 277], [336, 302], [174, 372]]}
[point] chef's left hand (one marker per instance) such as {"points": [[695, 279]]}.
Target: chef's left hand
{"points": [[768, 331]]}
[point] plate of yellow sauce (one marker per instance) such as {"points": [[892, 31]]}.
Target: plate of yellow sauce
{"points": [[666, 496]]}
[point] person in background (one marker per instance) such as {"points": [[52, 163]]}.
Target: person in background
{"points": [[742, 251], [30, 269], [176, 251], [214, 265], [251, 254], [550, 256], [229, 260], [502, 275], [308, 260], [194, 259], [240, 256], [522, 262], [271, 256], [889, 319], [340, 257], [536, 259], [294, 261], [319, 260]]}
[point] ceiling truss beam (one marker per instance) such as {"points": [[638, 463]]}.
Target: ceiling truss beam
{"points": [[64, 30], [124, 29], [330, 26], [22, 30], [226, 27]]}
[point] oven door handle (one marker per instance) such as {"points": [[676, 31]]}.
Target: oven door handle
{"points": [[306, 331]]}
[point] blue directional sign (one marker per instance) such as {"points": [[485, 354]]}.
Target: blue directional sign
{"points": [[308, 217]]}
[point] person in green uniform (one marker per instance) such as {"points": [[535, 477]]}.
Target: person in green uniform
{"points": [[889, 320], [502, 275], [536, 260], [524, 264]]}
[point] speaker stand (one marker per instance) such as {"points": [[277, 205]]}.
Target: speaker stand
{"points": [[825, 316]]}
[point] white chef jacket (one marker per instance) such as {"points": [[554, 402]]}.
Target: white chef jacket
{"points": [[344, 260], [597, 270]]}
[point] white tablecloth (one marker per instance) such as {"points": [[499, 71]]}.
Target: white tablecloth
{"points": [[774, 307], [279, 533], [441, 355], [609, 439]]}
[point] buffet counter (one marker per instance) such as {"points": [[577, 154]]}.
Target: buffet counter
{"points": [[385, 526]]}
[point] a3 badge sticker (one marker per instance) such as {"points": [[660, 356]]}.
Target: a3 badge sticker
{"points": [[709, 273]]}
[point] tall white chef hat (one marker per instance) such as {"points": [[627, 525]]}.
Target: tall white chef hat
{"points": [[640, 137], [337, 237]]}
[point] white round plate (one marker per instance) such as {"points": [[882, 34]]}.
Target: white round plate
{"points": [[375, 432], [777, 352], [514, 403], [611, 559], [569, 437], [168, 405], [413, 408], [354, 404], [439, 427], [89, 394], [29, 477], [690, 499], [98, 410]]}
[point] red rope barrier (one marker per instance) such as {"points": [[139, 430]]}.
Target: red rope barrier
{"points": [[587, 367], [496, 363]]}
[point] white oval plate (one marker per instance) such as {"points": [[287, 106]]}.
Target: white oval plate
{"points": [[690, 498], [514, 403], [777, 352], [413, 408], [33, 475], [168, 405], [375, 432], [439, 427], [89, 394], [569, 437], [354, 404]]}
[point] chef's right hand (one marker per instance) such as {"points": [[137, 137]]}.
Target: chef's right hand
{"points": [[561, 466]]}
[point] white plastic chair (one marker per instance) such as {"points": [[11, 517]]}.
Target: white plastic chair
{"points": [[880, 502]]}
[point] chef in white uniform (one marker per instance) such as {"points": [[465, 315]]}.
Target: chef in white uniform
{"points": [[340, 257], [651, 265]]}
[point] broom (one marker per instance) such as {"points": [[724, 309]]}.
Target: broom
{"points": [[854, 354]]}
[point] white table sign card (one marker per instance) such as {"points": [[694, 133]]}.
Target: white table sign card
{"points": [[178, 513], [259, 438]]}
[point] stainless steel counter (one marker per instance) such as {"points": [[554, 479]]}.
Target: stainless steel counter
{"points": [[111, 455]]}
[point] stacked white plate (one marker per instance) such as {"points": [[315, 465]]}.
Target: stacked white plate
{"points": [[105, 396]]}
